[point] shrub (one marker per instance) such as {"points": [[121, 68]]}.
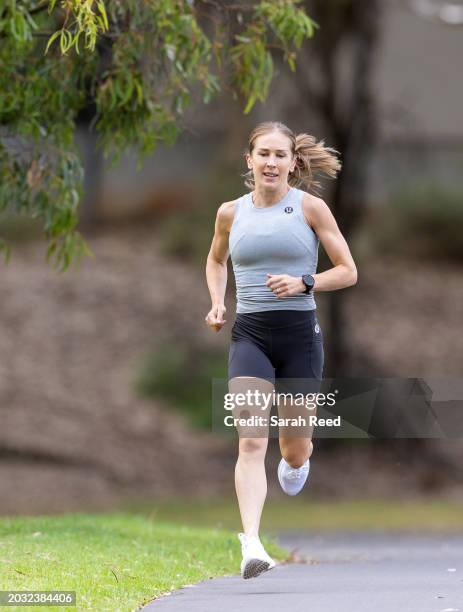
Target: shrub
{"points": [[182, 375], [424, 220]]}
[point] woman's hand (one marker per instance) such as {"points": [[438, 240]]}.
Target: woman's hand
{"points": [[215, 318], [284, 285]]}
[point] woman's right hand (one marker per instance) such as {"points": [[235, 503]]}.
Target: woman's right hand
{"points": [[215, 318]]}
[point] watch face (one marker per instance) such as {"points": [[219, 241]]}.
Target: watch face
{"points": [[308, 280]]}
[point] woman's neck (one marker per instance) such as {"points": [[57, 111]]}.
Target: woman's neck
{"points": [[262, 197]]}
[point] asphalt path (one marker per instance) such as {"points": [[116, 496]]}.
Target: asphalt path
{"points": [[340, 572]]}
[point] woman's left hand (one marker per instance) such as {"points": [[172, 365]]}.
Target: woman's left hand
{"points": [[284, 285]]}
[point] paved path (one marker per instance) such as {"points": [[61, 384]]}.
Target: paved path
{"points": [[343, 572]]}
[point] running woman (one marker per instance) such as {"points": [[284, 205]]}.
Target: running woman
{"points": [[272, 234]]}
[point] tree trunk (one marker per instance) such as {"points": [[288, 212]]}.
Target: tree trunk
{"points": [[93, 179], [348, 112]]}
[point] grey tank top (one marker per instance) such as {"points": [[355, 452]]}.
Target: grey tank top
{"points": [[275, 239]]}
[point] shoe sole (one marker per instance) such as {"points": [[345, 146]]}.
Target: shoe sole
{"points": [[255, 567]]}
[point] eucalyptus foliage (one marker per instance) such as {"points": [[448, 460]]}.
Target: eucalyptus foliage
{"points": [[135, 65]]}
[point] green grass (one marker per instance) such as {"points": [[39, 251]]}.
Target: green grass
{"points": [[122, 560], [113, 561], [303, 513]]}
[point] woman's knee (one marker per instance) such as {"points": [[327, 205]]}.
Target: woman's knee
{"points": [[296, 452]]}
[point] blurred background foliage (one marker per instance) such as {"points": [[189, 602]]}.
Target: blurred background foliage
{"points": [[131, 82], [176, 373], [422, 220]]}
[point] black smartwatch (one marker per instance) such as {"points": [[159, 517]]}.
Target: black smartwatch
{"points": [[309, 282]]}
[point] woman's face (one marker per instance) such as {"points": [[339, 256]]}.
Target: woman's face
{"points": [[271, 161]]}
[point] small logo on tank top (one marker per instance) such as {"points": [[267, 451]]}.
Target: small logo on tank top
{"points": [[289, 209]]}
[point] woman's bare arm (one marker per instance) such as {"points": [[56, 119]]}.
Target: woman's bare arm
{"points": [[216, 265], [344, 271]]}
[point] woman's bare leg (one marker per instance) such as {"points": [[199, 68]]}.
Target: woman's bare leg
{"points": [[250, 476], [251, 482], [296, 451], [295, 441]]}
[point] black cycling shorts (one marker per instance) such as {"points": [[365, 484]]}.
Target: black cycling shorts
{"points": [[278, 344]]}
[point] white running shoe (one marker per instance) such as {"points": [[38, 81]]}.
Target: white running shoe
{"points": [[292, 479], [255, 559]]}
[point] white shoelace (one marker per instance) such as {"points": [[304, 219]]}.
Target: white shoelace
{"points": [[297, 472]]}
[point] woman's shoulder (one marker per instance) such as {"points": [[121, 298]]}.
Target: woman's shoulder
{"points": [[309, 202], [226, 213], [311, 206]]}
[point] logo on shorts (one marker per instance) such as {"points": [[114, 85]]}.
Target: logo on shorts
{"points": [[289, 209], [317, 328]]}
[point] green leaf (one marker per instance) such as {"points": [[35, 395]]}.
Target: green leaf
{"points": [[102, 10], [141, 80]]}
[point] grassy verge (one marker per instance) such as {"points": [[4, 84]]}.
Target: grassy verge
{"points": [[113, 561], [301, 513], [120, 561]]}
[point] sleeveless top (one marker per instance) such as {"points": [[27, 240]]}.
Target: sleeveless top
{"points": [[277, 240]]}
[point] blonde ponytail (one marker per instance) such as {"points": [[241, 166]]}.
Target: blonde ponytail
{"points": [[312, 158]]}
